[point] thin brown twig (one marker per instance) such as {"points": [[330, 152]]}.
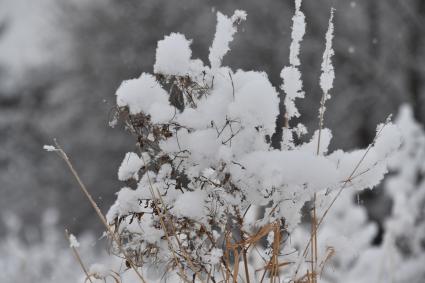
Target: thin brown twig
{"points": [[245, 261], [77, 256], [99, 213]]}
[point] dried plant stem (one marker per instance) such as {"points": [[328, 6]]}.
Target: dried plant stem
{"points": [[273, 264], [313, 238], [78, 257], [245, 261], [236, 266], [275, 261], [314, 253], [99, 213]]}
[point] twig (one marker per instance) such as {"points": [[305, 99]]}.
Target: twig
{"points": [[77, 256], [233, 86], [83, 188]]}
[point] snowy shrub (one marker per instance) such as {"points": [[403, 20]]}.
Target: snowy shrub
{"points": [[349, 235], [404, 240], [206, 196], [345, 236], [409, 167], [403, 244]]}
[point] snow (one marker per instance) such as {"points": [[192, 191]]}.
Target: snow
{"points": [[73, 242], [291, 76], [288, 168], [348, 230], [238, 16], [49, 148], [99, 271], [388, 140], [298, 31], [127, 201], [325, 140], [254, 109], [130, 167], [292, 86], [173, 55], [190, 205], [144, 94], [328, 73], [223, 36]]}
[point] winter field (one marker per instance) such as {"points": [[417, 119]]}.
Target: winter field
{"points": [[216, 141]]}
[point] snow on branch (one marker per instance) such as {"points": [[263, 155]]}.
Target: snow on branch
{"points": [[298, 31], [328, 73], [291, 75], [226, 28]]}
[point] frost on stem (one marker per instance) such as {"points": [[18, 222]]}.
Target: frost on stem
{"points": [[226, 28], [73, 242], [328, 73], [49, 148], [203, 162], [291, 75]]}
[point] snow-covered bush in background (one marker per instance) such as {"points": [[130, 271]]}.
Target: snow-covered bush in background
{"points": [[344, 236], [400, 257], [47, 260], [405, 228], [204, 161]]}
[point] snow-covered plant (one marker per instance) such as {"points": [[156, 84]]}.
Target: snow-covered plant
{"points": [[348, 235], [403, 244], [344, 236], [204, 162], [400, 257], [406, 225]]}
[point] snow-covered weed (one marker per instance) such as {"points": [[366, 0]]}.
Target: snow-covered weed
{"points": [[206, 196], [400, 256]]}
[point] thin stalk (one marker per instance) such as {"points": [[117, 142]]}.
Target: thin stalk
{"points": [[78, 257], [83, 188], [245, 261]]}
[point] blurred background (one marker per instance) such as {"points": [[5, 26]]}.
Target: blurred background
{"points": [[61, 62]]}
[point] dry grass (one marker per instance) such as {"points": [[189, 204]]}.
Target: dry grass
{"points": [[78, 257]]}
